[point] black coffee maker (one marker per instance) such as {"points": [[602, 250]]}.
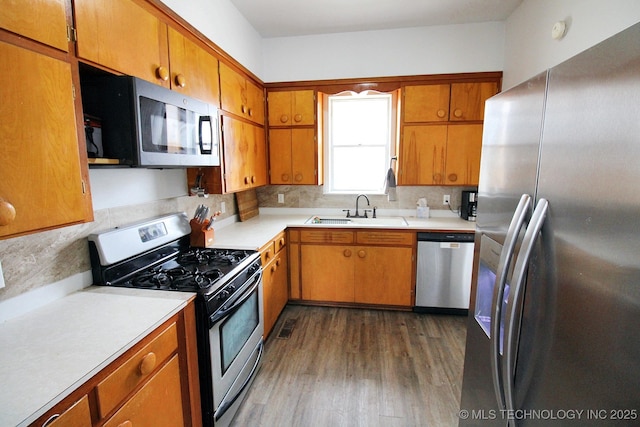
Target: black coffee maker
{"points": [[469, 205]]}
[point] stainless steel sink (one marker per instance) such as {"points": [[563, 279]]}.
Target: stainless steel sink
{"points": [[391, 221]]}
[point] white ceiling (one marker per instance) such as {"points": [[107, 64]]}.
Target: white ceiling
{"points": [[284, 18]]}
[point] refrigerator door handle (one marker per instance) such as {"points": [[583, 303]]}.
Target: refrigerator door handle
{"points": [[515, 302], [506, 254]]}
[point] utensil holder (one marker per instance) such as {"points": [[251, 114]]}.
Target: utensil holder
{"points": [[200, 236]]}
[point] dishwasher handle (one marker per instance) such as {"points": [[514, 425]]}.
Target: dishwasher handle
{"points": [[445, 237]]}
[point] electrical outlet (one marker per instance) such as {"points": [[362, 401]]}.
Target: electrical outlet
{"points": [[1, 277], [280, 198], [446, 199], [223, 207]]}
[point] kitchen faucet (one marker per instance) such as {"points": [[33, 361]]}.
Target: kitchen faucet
{"points": [[357, 215]]}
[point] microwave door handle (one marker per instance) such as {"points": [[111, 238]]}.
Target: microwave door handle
{"points": [[201, 121], [516, 297], [510, 240]]}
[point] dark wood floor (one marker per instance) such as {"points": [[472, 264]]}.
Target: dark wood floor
{"points": [[356, 367]]}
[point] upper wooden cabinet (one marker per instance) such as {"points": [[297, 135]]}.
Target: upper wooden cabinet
{"points": [[194, 71], [123, 36], [240, 96], [44, 21], [447, 102], [466, 142], [291, 108], [245, 155], [42, 177], [293, 156]]}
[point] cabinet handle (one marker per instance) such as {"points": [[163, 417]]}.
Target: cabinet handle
{"points": [[453, 177], [7, 212], [250, 112], [298, 177], [362, 254], [274, 268], [297, 118], [253, 179], [246, 180], [437, 178], [162, 73], [441, 113], [282, 242], [347, 253], [457, 112], [126, 424], [148, 363], [243, 108], [51, 419], [267, 254], [278, 262], [181, 80], [284, 118], [285, 177]]}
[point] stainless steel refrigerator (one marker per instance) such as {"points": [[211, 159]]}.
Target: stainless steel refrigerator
{"points": [[553, 335]]}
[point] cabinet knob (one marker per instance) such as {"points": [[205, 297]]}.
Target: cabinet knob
{"points": [[285, 177], [437, 178], [284, 118], [297, 118], [253, 179], [362, 253], [298, 177], [457, 112], [148, 363], [267, 254], [278, 262], [126, 424], [347, 253], [7, 212], [453, 177], [181, 80], [250, 112], [282, 242], [246, 180], [274, 268], [162, 73], [441, 113], [243, 108]]}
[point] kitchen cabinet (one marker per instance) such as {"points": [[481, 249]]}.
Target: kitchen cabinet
{"points": [[241, 96], [28, 21], [440, 154], [44, 177], [124, 36], [245, 155], [291, 108], [446, 102], [162, 367], [275, 280], [194, 71], [293, 156], [354, 267], [441, 137]]}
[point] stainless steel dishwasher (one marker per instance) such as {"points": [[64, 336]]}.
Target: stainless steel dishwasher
{"points": [[443, 282]]}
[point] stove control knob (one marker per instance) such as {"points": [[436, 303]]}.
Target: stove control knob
{"points": [[223, 295], [231, 288]]}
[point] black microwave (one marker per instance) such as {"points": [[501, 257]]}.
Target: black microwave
{"points": [[146, 125]]}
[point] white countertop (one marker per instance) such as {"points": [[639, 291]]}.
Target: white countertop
{"points": [[49, 352], [255, 232]]}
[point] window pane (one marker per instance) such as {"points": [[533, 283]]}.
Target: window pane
{"points": [[358, 168]]}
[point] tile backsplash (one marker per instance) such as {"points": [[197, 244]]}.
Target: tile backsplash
{"points": [[39, 259]]}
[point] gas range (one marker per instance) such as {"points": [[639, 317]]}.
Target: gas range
{"points": [[155, 254]]}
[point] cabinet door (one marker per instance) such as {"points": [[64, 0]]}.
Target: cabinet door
{"points": [[327, 273], [468, 99], [291, 108], [194, 71], [255, 103], [276, 289], [27, 20], [157, 403], [464, 145], [280, 159], [121, 35], [303, 156], [258, 159], [240, 96], [383, 275], [245, 155], [426, 103], [40, 174], [423, 155], [78, 415]]}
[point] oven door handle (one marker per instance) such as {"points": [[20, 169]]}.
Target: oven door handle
{"points": [[226, 404], [227, 311]]}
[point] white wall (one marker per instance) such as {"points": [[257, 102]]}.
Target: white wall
{"points": [[223, 24], [529, 48], [410, 51]]}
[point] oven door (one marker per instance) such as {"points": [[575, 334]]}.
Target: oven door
{"points": [[235, 339]]}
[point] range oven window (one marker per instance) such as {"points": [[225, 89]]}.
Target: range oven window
{"points": [[236, 330]]}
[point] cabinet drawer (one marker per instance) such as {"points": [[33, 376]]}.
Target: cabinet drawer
{"points": [[76, 416], [326, 236], [113, 389], [157, 403], [385, 238]]}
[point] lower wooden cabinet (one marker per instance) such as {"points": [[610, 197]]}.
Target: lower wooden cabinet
{"points": [[353, 267], [153, 384], [275, 280]]}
